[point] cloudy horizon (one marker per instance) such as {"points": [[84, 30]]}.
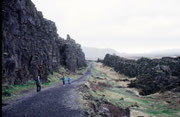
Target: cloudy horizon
{"points": [[130, 26]]}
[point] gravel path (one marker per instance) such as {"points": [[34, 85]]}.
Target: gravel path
{"points": [[57, 101]]}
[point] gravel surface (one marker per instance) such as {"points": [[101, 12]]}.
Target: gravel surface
{"points": [[57, 101]]}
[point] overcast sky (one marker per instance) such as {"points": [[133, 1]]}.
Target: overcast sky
{"points": [[132, 26]]}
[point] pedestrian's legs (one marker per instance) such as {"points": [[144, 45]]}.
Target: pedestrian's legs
{"points": [[37, 88]]}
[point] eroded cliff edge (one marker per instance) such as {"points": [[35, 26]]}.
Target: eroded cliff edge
{"points": [[31, 45]]}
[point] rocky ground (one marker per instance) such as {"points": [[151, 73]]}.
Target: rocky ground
{"points": [[106, 93]]}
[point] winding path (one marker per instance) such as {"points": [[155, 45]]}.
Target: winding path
{"points": [[57, 101]]}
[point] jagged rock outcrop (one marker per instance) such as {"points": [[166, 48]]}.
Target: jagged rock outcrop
{"points": [[31, 45], [152, 75], [73, 57]]}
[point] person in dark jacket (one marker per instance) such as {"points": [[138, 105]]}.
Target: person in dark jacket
{"points": [[38, 84]]}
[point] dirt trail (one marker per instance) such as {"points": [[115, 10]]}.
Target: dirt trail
{"points": [[57, 101]]}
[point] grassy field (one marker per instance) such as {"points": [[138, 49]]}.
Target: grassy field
{"points": [[107, 84], [12, 92]]}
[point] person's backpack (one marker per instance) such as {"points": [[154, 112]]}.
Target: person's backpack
{"points": [[38, 80]]}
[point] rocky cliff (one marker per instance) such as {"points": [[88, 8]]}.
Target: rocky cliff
{"points": [[152, 75], [31, 45]]}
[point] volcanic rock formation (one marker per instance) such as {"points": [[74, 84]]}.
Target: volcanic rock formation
{"points": [[152, 75], [31, 45]]}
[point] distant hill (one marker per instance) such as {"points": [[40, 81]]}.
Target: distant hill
{"points": [[95, 53]]}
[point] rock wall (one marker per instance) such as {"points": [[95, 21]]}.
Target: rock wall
{"points": [[153, 75], [121, 65], [31, 45]]}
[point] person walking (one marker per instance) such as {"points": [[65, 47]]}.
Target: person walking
{"points": [[38, 84], [69, 80], [64, 80]]}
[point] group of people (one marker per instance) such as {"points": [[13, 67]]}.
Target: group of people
{"points": [[38, 84], [64, 80]]}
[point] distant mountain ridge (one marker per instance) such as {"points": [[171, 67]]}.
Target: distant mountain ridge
{"points": [[95, 53]]}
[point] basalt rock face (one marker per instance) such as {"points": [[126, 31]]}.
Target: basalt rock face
{"points": [[158, 75], [121, 65], [152, 75], [73, 57], [31, 45]]}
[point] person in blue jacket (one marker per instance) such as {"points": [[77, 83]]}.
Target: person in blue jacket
{"points": [[64, 80], [69, 80]]}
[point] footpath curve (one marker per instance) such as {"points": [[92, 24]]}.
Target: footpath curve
{"points": [[58, 101]]}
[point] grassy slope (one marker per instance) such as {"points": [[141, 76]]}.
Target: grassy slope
{"points": [[156, 105], [15, 91]]}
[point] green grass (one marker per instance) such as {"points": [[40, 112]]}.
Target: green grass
{"points": [[148, 105], [97, 73], [145, 104], [52, 79], [16, 90]]}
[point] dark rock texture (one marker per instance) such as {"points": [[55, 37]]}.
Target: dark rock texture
{"points": [[121, 65], [31, 45], [152, 75]]}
